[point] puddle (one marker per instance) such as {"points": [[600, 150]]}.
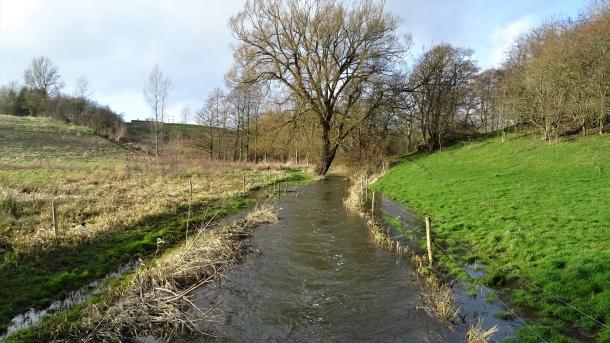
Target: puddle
{"points": [[475, 270], [27, 319]]}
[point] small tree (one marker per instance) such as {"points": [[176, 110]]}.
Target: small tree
{"points": [[156, 92], [42, 79], [43, 76]]}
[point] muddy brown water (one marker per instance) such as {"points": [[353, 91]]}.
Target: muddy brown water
{"points": [[318, 277]]}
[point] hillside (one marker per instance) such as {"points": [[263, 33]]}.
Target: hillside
{"points": [[23, 139], [536, 215], [185, 139]]}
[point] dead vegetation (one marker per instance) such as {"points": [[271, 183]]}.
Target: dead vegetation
{"points": [[102, 196], [476, 333], [436, 294], [357, 192], [383, 238], [157, 302]]}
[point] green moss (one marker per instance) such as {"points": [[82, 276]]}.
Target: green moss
{"points": [[531, 212]]}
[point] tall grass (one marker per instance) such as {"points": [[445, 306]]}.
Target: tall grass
{"points": [[113, 205], [157, 299]]}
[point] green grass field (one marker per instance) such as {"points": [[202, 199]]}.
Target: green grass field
{"points": [[537, 215]]}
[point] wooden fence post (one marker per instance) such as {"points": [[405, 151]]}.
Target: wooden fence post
{"points": [[269, 173], [362, 198], [429, 239], [54, 217], [286, 188], [373, 204], [243, 177], [188, 218]]}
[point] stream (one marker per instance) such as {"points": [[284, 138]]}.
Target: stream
{"points": [[317, 276]]}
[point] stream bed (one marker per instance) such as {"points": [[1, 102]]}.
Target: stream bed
{"points": [[317, 276]]}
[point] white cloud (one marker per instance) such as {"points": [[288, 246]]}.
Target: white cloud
{"points": [[116, 43], [504, 36]]}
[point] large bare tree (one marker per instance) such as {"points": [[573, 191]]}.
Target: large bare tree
{"points": [[156, 92], [328, 55], [43, 76]]}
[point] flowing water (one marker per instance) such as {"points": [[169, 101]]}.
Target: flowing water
{"points": [[320, 278]]}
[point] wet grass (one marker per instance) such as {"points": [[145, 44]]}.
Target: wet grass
{"points": [[36, 282], [536, 214], [70, 319], [136, 303]]}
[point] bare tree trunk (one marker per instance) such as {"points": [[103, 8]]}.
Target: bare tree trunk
{"points": [[328, 153], [156, 136]]}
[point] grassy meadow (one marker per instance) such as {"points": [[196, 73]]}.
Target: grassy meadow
{"points": [[536, 215], [113, 205]]}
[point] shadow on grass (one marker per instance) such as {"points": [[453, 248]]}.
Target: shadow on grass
{"points": [[36, 281]]}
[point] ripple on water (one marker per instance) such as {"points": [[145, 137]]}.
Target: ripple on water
{"points": [[320, 278]]}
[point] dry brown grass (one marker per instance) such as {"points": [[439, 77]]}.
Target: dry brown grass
{"points": [[436, 294], [476, 333], [384, 240], [157, 302], [355, 194], [99, 197]]}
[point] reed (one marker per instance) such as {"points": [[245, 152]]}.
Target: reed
{"points": [[158, 300], [476, 333]]}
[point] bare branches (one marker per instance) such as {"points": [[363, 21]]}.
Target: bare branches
{"points": [[326, 54], [156, 92], [43, 76]]}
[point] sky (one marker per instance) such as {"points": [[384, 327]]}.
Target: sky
{"points": [[115, 44]]}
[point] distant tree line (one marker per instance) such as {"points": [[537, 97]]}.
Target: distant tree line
{"points": [[557, 77], [40, 95]]}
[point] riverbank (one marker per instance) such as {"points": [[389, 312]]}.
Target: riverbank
{"points": [[113, 207], [155, 298], [398, 231], [534, 215]]}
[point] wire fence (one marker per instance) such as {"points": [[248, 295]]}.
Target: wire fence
{"points": [[510, 309]]}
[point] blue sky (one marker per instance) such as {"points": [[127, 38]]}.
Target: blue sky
{"points": [[116, 43]]}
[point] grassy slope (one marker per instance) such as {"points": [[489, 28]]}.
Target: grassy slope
{"points": [[531, 212], [103, 219], [189, 136]]}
